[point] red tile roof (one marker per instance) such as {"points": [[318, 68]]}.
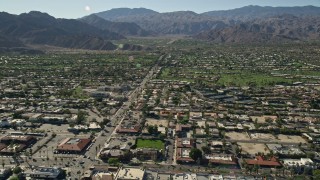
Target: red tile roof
{"points": [[179, 156], [263, 162], [165, 113], [76, 145], [186, 159], [181, 127]]}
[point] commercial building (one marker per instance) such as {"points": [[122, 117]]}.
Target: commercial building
{"points": [[43, 173], [73, 145], [303, 162], [130, 174]]}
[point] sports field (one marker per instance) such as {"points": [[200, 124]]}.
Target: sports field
{"points": [[147, 143]]}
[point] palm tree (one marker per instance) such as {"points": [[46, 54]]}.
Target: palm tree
{"points": [[30, 151], [291, 170], [26, 153], [47, 154]]}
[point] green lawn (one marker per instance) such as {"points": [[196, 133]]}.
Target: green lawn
{"points": [[245, 79], [146, 143], [78, 93]]}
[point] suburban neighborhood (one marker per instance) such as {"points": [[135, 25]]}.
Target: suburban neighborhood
{"points": [[181, 115]]}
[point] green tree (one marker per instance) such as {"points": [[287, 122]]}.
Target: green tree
{"points": [[195, 154], [17, 115], [105, 121], [63, 174], [53, 135], [94, 120], [113, 161], [81, 117], [17, 170], [14, 178], [150, 129], [206, 149], [66, 111], [311, 155], [316, 174], [126, 157], [153, 129]]}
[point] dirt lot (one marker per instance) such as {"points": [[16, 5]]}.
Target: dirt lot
{"points": [[263, 137], [253, 148], [237, 136], [152, 122], [290, 139]]}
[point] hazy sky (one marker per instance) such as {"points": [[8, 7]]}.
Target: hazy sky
{"points": [[79, 8]]}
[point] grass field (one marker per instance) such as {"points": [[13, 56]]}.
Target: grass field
{"points": [[146, 143], [245, 79], [78, 93]]}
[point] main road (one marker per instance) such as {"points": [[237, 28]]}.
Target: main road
{"points": [[116, 119]]}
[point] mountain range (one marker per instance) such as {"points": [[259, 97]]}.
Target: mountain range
{"points": [[247, 24], [123, 28], [179, 22], [41, 28], [285, 28], [257, 12], [191, 23]]}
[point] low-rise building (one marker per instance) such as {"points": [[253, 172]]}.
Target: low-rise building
{"points": [[221, 160], [286, 151], [73, 145], [103, 176], [130, 174], [182, 155], [112, 153], [94, 126], [43, 173], [263, 162], [147, 154], [303, 162], [11, 144], [27, 140], [186, 143]]}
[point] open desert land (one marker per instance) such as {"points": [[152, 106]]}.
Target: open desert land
{"points": [[238, 136], [290, 139], [159, 123]]}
